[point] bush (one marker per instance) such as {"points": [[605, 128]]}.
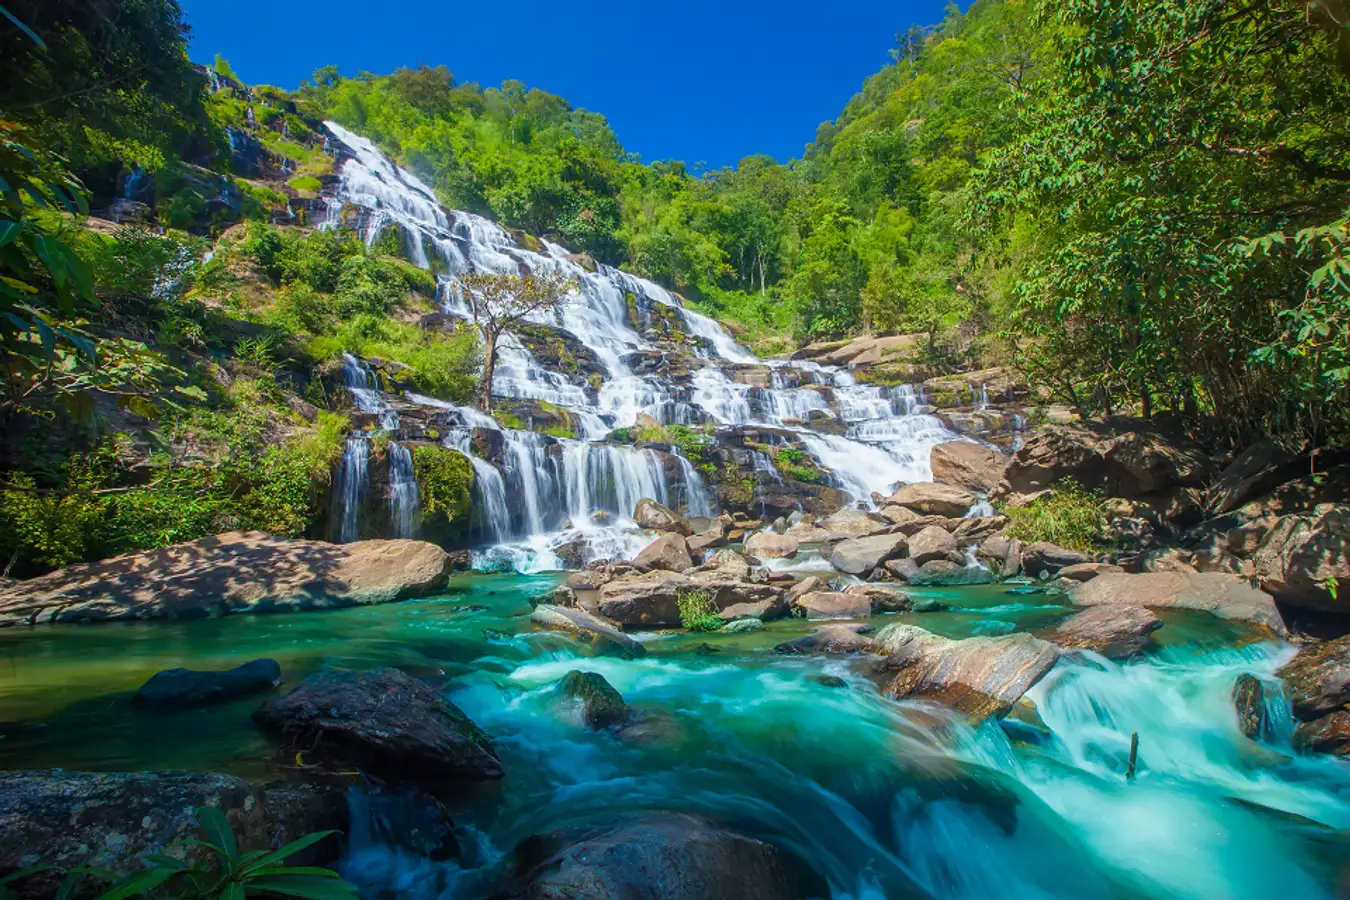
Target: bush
{"points": [[444, 483], [1069, 516], [367, 286], [696, 611], [792, 463]]}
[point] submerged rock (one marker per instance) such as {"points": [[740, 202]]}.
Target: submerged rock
{"points": [[601, 705], [659, 517], [1116, 632], [602, 636], [742, 626], [831, 639], [179, 688], [238, 572], [383, 721], [1226, 596]]}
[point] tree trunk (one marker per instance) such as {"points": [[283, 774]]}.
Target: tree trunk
{"points": [[489, 364]]}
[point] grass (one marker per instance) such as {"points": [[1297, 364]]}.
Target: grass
{"points": [[696, 611], [1069, 517]]}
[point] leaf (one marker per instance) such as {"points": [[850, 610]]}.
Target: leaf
{"points": [[309, 888], [290, 849], [232, 891], [29, 870], [139, 883], [212, 820], [9, 232]]}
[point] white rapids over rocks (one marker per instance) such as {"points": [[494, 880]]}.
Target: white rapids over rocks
{"points": [[586, 490]]}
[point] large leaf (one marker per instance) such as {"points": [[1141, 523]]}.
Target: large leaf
{"points": [[139, 883], [218, 830], [309, 888], [290, 849]]}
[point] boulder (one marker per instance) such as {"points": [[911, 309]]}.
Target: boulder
{"points": [[1226, 596], [1116, 632], [383, 721], [859, 556], [598, 704], [850, 522], [932, 543], [1249, 699], [181, 688], [1043, 556], [1087, 571], [830, 639], [770, 608], [967, 465], [659, 517], [669, 552], [767, 545], [934, 499], [980, 676], [238, 572], [741, 626], [1317, 680], [661, 854], [704, 541], [588, 629], [805, 586], [882, 600], [832, 605], [898, 515], [945, 573], [1300, 556], [1256, 470], [112, 820], [1329, 734]]}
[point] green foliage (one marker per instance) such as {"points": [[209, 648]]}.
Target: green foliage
{"points": [[697, 612], [1069, 516], [793, 463], [444, 484], [621, 436], [306, 183]]}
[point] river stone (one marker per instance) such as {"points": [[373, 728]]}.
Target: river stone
{"points": [[601, 706], [899, 515], [767, 545], [1226, 596], [665, 855], [1329, 734], [1317, 680], [1301, 553], [111, 820], [830, 605], [1116, 632], [1249, 699], [967, 465], [384, 721], [669, 552], [932, 543], [859, 556], [238, 572], [742, 626], [882, 599], [830, 639], [980, 676], [180, 688], [934, 499], [771, 608], [1044, 556], [850, 522], [1087, 571], [945, 573], [659, 517], [805, 586], [604, 637]]}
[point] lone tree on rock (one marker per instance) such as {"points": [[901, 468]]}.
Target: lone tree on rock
{"points": [[498, 304]]}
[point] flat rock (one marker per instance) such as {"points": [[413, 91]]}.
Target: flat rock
{"points": [[1226, 596], [932, 543], [859, 556], [767, 545], [384, 721], [1087, 571], [967, 465], [830, 639], [934, 499], [1043, 556], [604, 637], [669, 552], [238, 572], [980, 676], [657, 516], [850, 522], [1116, 632], [832, 605], [181, 688]]}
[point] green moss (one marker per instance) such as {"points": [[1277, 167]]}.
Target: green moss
{"points": [[444, 484], [306, 183], [793, 464], [508, 419], [1069, 516], [559, 431]]}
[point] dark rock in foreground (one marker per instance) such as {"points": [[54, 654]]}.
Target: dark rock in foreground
{"points": [[180, 688], [1249, 699], [383, 721], [601, 705]]}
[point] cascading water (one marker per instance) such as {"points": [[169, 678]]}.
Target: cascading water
{"points": [[352, 482], [404, 503]]}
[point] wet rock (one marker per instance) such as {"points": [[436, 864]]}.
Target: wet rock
{"points": [[967, 465], [1317, 680], [601, 706], [899, 515], [742, 626], [488, 444], [1226, 596], [181, 688], [1043, 556], [1087, 571], [849, 522], [882, 600], [1116, 632], [858, 556], [562, 595], [1302, 554], [1329, 734], [932, 543], [832, 605], [111, 820], [973, 531], [1249, 699], [830, 639], [383, 721], [669, 552], [904, 569], [659, 517], [945, 573], [934, 499], [604, 637], [663, 855], [981, 676], [768, 545]]}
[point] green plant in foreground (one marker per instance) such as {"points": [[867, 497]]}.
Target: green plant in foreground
{"points": [[1068, 516], [696, 611]]}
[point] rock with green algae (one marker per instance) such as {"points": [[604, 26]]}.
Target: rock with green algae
{"points": [[600, 704]]}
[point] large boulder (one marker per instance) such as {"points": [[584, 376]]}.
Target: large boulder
{"points": [[663, 855], [181, 688], [1226, 596], [933, 543], [238, 572], [1329, 734], [832, 605], [858, 556], [1044, 557], [384, 721], [1302, 555], [967, 465], [597, 703], [1116, 632], [1317, 680], [113, 820], [588, 629], [882, 599], [835, 639], [980, 676], [934, 499], [767, 545], [669, 552], [659, 517], [653, 600]]}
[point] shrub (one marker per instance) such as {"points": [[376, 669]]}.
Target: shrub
{"points": [[620, 436], [306, 183], [444, 483], [696, 611], [1069, 516], [367, 286], [792, 463]]}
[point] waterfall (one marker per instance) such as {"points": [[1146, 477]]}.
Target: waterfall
{"points": [[526, 460], [697, 503], [604, 477], [491, 514], [404, 503], [351, 485]]}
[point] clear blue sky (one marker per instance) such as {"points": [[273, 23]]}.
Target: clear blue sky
{"points": [[698, 80]]}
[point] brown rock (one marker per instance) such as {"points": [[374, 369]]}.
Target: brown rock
{"points": [[1087, 571], [1116, 632], [1317, 680], [934, 499], [767, 545], [1329, 734], [833, 639], [589, 629], [883, 600], [932, 543], [851, 522], [1226, 596], [829, 605], [1046, 557], [898, 515], [659, 517], [858, 556], [1301, 555], [1249, 699], [807, 585], [967, 465], [669, 552]]}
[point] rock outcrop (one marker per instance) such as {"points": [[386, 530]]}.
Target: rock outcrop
{"points": [[238, 572], [1116, 632], [1226, 596], [1302, 555], [967, 465], [659, 517]]}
